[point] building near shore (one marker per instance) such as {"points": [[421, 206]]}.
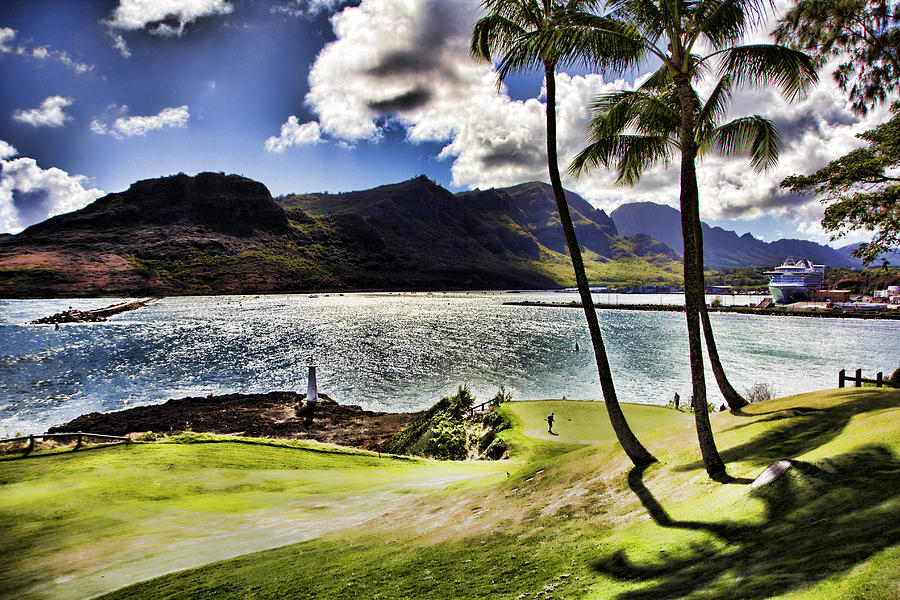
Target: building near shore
{"points": [[830, 295]]}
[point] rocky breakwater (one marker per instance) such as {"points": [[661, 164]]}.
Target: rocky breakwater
{"points": [[91, 316]]}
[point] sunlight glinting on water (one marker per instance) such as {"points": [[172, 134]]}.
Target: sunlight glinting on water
{"points": [[398, 352]]}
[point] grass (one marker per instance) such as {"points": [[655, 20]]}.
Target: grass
{"points": [[565, 518]]}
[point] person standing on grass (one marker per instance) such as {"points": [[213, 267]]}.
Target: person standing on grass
{"points": [[550, 423], [677, 400]]}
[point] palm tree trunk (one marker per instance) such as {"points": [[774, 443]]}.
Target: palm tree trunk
{"points": [[732, 398], [636, 451], [693, 276]]}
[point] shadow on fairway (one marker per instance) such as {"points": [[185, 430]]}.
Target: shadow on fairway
{"points": [[819, 520], [799, 430]]}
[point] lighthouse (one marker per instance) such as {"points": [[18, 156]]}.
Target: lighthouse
{"points": [[312, 389]]}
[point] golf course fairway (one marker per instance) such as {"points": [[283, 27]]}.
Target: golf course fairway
{"points": [[202, 516]]}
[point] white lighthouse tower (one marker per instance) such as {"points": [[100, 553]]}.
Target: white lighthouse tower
{"points": [[312, 388]]}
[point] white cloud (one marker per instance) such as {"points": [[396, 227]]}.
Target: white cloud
{"points": [[63, 58], [293, 133], [49, 114], [164, 17], [120, 44], [128, 126], [99, 128], [7, 35], [306, 8], [7, 150], [30, 194], [408, 62]]}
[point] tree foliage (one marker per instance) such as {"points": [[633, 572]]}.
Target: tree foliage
{"points": [[863, 35], [862, 189]]}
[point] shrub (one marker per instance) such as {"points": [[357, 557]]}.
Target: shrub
{"points": [[504, 396], [760, 392], [895, 379], [716, 302], [448, 431]]}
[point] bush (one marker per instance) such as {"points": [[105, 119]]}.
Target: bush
{"points": [[895, 379], [760, 392], [716, 302], [448, 431], [504, 396]]}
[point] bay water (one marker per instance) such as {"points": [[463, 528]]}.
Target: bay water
{"points": [[401, 352]]}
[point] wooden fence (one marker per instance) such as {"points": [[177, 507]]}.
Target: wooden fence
{"points": [[79, 435], [858, 379]]}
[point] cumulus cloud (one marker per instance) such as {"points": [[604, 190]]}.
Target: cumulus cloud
{"points": [[30, 194], [7, 150], [128, 126], [49, 114], [293, 133], [408, 63], [164, 17]]}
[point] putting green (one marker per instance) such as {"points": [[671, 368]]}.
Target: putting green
{"points": [[587, 422]]}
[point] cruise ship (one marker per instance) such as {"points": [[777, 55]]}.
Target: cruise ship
{"points": [[792, 281]]}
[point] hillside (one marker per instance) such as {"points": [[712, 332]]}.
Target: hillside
{"points": [[567, 517], [217, 233], [723, 249]]}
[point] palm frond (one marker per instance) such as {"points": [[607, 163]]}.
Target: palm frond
{"points": [[630, 154], [755, 134], [768, 64], [724, 22], [492, 35], [584, 39], [716, 105]]}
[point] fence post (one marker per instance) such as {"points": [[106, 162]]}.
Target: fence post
{"points": [[78, 442], [842, 375], [30, 448], [878, 379], [859, 378]]}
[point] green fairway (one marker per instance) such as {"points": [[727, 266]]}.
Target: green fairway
{"points": [[80, 523], [587, 422], [566, 517]]}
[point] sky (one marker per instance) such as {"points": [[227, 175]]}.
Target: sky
{"points": [[338, 95]]}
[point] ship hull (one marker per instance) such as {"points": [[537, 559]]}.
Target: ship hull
{"points": [[788, 295]]}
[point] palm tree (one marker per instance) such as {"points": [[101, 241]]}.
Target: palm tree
{"points": [[665, 117], [520, 33]]}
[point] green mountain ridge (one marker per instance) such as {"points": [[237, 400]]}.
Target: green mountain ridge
{"points": [[225, 234]]}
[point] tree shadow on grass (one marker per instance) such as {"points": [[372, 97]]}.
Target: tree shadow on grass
{"points": [[819, 520], [800, 430]]}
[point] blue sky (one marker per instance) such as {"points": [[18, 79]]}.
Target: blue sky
{"points": [[315, 95]]}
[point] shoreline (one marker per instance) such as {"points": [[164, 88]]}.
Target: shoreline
{"points": [[893, 315]]}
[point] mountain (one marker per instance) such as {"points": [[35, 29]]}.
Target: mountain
{"points": [[216, 233], [723, 249]]}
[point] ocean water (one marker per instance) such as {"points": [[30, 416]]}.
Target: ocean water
{"points": [[400, 352]]}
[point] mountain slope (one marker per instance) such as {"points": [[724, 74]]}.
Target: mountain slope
{"points": [[217, 233], [723, 249]]}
